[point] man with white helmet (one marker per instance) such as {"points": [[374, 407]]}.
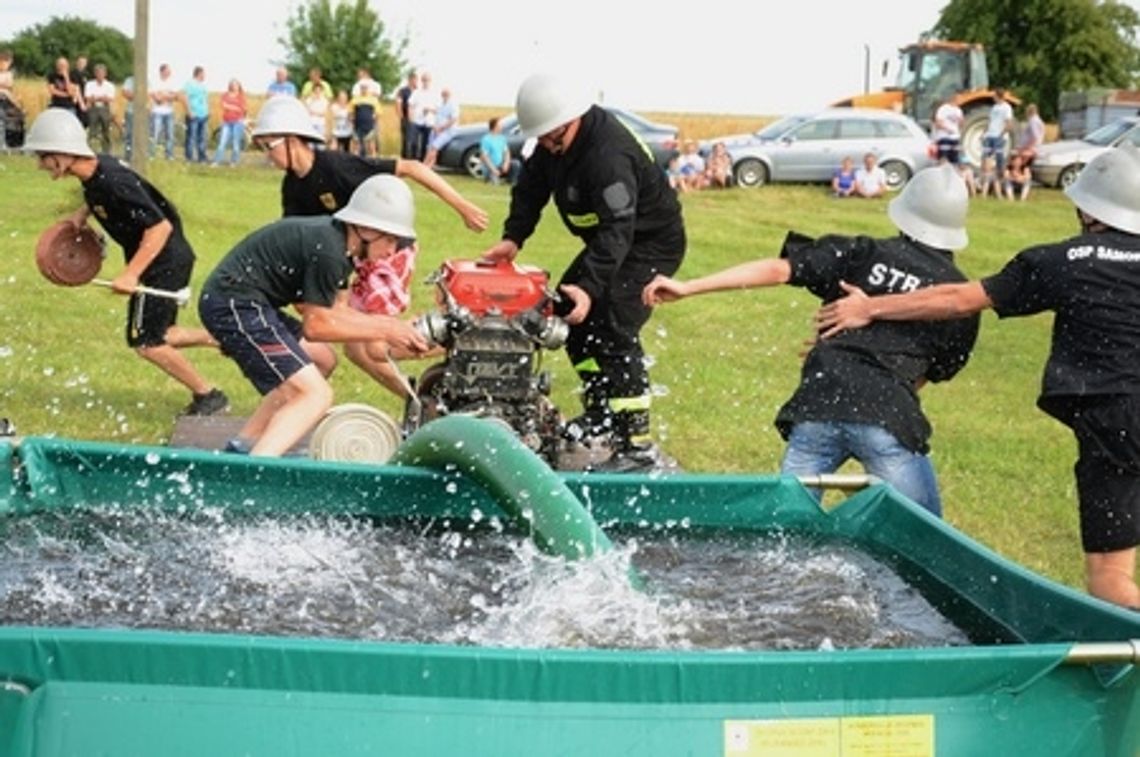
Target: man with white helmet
{"points": [[611, 195], [858, 392], [148, 228], [305, 263], [320, 182], [1091, 282]]}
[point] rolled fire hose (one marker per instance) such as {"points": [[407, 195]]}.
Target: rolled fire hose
{"points": [[355, 433], [519, 481]]}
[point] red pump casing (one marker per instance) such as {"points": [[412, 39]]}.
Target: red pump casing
{"points": [[505, 288]]}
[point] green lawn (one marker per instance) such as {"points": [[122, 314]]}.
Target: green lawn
{"points": [[723, 363]]}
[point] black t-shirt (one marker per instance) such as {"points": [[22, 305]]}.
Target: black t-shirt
{"points": [[1092, 283], [870, 375], [289, 261], [126, 205], [325, 189], [610, 193], [60, 82], [402, 95]]}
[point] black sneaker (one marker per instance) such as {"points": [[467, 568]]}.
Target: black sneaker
{"points": [[7, 428], [212, 402], [590, 426], [637, 458]]}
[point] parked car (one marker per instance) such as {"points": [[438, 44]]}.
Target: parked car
{"points": [[462, 152], [1058, 163], [808, 148]]}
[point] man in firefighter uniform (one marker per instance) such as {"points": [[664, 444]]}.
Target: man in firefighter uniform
{"points": [[858, 393], [610, 194], [1091, 282]]}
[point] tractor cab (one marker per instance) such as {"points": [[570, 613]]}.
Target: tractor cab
{"points": [[930, 72]]}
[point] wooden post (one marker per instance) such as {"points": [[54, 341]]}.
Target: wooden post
{"points": [[140, 118]]}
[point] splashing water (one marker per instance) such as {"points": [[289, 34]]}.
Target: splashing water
{"points": [[213, 570]]}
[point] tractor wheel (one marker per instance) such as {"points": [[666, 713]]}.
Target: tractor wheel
{"points": [[973, 129], [750, 172]]}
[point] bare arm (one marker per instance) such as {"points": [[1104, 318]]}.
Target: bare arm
{"points": [[153, 240], [755, 273], [473, 216], [341, 323], [937, 303]]}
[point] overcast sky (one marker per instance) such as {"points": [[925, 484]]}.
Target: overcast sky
{"points": [[763, 58]]}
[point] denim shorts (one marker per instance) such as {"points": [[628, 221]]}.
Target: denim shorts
{"points": [[263, 341], [816, 447]]}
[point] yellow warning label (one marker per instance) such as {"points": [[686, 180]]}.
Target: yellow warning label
{"points": [[873, 736]]}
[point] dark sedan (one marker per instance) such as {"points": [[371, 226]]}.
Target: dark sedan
{"points": [[462, 152]]}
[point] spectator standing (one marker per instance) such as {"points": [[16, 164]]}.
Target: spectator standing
{"points": [[317, 101], [196, 99], [1000, 125], [495, 155], [870, 179], [100, 94], [407, 133], [948, 132], [62, 91], [341, 111], [79, 77], [234, 111], [991, 180], [281, 86], [316, 81], [1032, 134], [127, 90], [8, 97], [423, 103], [365, 109], [446, 119], [162, 98]]}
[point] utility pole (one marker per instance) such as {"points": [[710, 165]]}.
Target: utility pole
{"points": [[140, 117]]}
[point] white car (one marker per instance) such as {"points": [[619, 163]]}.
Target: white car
{"points": [[1058, 163], [808, 148]]}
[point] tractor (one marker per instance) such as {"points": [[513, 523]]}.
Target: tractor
{"points": [[929, 72]]}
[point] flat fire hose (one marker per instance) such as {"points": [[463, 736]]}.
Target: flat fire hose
{"points": [[355, 432], [519, 481]]}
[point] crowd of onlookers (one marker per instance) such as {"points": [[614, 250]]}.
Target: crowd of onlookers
{"points": [[347, 117]]}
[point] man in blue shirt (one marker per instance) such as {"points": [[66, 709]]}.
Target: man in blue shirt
{"points": [[196, 99], [281, 86], [495, 155]]}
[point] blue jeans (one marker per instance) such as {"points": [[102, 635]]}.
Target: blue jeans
{"points": [[231, 136], [196, 139], [995, 146], [815, 448], [162, 123]]}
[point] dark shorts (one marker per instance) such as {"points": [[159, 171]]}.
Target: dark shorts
{"points": [[263, 341], [1108, 471], [948, 150], [149, 317]]}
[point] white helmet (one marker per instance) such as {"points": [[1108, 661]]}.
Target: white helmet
{"points": [[384, 203], [1108, 188], [285, 115], [544, 103], [58, 130], [932, 208]]}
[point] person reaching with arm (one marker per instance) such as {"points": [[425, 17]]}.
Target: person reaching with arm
{"points": [[1091, 284], [858, 394]]}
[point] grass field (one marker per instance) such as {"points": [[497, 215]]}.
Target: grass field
{"points": [[723, 364]]}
